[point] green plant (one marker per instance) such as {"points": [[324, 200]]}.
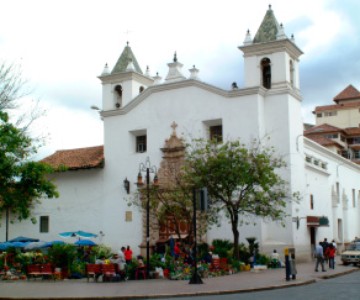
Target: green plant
{"points": [[244, 253], [156, 261], [222, 247], [203, 249], [253, 246], [236, 264], [62, 256], [77, 269], [262, 259], [130, 269], [100, 251]]}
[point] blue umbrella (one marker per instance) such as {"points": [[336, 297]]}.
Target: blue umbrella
{"points": [[17, 245], [79, 233], [85, 243], [4, 246], [23, 239], [35, 245]]}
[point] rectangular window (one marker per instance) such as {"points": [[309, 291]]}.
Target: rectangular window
{"points": [[357, 154], [44, 224], [311, 201], [354, 140], [128, 216], [353, 198], [330, 113], [331, 136], [216, 133], [308, 159], [319, 115], [338, 192], [141, 143]]}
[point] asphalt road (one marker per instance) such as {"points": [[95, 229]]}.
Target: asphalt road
{"points": [[345, 287]]}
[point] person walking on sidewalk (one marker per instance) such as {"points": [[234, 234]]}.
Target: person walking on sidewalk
{"points": [[319, 255]]}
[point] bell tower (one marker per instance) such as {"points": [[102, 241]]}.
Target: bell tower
{"points": [[271, 59], [124, 82]]}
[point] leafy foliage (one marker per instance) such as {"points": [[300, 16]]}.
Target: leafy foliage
{"points": [[62, 255], [22, 181], [241, 180], [222, 247], [170, 204]]}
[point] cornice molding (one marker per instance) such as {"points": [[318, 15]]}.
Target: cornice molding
{"points": [[114, 78], [272, 47], [181, 84]]}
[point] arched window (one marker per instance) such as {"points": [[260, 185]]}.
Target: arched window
{"points": [[266, 72], [118, 99], [141, 89], [118, 89], [292, 80]]}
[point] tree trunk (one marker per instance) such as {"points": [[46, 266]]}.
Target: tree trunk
{"points": [[234, 226], [7, 224]]}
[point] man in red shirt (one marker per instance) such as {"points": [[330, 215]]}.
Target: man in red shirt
{"points": [[128, 255]]}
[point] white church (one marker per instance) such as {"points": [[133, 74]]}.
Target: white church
{"points": [[146, 116]]}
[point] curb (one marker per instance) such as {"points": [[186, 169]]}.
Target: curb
{"points": [[159, 296], [191, 294], [339, 274]]}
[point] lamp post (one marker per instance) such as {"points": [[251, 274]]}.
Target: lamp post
{"points": [[146, 167], [195, 279]]}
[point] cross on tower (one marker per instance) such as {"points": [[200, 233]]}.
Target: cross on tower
{"points": [[173, 126]]}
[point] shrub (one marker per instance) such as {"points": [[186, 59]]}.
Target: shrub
{"points": [[62, 255], [222, 247]]}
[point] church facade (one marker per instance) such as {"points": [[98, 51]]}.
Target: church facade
{"points": [[142, 114]]}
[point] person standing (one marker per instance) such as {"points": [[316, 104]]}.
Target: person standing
{"points": [[319, 255], [128, 255], [325, 244], [330, 253], [177, 250], [121, 259]]}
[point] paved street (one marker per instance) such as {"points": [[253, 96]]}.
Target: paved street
{"points": [[160, 288], [342, 287]]}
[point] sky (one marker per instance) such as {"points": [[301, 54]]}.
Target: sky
{"points": [[62, 47]]}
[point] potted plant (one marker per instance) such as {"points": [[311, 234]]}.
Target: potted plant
{"points": [[62, 256]]}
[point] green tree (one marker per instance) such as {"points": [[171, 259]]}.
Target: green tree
{"points": [[170, 203], [241, 180], [22, 181]]}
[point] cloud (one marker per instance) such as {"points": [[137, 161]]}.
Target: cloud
{"points": [[63, 46]]}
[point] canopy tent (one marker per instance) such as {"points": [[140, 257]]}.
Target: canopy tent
{"points": [[79, 234], [23, 239], [6, 245], [85, 243]]}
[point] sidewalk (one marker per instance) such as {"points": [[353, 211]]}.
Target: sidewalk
{"points": [[158, 288]]}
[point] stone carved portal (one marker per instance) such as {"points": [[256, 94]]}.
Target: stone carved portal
{"points": [[170, 167]]}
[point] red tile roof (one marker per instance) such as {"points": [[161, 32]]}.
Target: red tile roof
{"points": [[75, 159], [323, 128], [348, 93], [323, 141], [337, 106], [352, 131]]}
